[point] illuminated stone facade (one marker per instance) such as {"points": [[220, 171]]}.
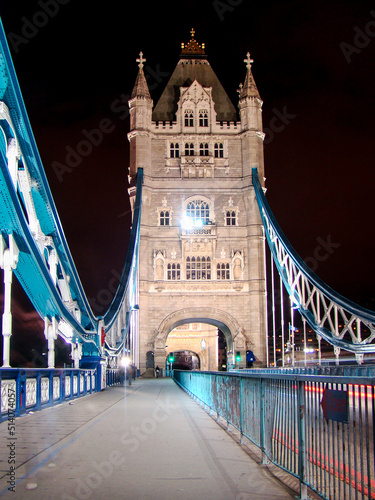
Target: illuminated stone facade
{"points": [[201, 245]]}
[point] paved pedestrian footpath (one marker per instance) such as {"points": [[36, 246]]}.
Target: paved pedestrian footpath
{"points": [[149, 441]]}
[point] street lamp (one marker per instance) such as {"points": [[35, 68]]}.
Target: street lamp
{"points": [[125, 361]]}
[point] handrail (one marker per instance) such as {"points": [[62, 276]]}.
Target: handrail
{"points": [[314, 427]]}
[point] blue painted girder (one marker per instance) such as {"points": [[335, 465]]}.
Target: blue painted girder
{"points": [[31, 270], [365, 315]]}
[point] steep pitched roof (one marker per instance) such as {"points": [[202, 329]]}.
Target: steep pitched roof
{"points": [[140, 87], [186, 71]]}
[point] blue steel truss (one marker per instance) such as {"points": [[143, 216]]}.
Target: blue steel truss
{"points": [[124, 303], [334, 318], [28, 217], [32, 269]]}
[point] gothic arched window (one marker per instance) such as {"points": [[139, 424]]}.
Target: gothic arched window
{"points": [[223, 271], [231, 218], [203, 118], [173, 272], [203, 149], [198, 268], [189, 118], [164, 218], [175, 150], [198, 210], [189, 149], [206, 268], [219, 150]]}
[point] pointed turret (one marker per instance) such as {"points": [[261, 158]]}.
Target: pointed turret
{"points": [[250, 105], [140, 107], [249, 88], [141, 88]]}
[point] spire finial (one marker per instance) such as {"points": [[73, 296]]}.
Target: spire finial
{"points": [[248, 89], [248, 61], [140, 88], [193, 47], [140, 60]]}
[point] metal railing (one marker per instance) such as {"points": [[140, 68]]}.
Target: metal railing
{"points": [[25, 390], [114, 377], [317, 428]]}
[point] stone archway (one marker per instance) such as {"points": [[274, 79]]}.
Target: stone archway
{"points": [[220, 319], [186, 360]]}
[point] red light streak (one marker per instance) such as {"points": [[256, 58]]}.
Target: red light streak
{"points": [[358, 391]]}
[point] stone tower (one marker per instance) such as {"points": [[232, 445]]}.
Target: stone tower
{"points": [[201, 246]]}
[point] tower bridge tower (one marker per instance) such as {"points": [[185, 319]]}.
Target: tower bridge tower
{"points": [[201, 254]]}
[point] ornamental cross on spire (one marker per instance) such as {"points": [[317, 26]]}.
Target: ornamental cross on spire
{"points": [[248, 61], [193, 47], [140, 60]]}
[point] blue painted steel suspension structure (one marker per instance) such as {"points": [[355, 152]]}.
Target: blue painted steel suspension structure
{"points": [[32, 241], [342, 323], [124, 306]]}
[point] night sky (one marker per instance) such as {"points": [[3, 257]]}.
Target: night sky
{"points": [[314, 68]]}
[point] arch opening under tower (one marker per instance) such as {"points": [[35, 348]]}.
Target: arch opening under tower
{"points": [[197, 346], [206, 335]]}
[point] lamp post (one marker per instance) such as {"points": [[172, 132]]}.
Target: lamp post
{"points": [[170, 360], [238, 359]]}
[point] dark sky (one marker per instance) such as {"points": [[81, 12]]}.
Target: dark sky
{"points": [[314, 66]]}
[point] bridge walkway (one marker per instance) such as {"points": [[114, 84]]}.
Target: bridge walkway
{"points": [[146, 441]]}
